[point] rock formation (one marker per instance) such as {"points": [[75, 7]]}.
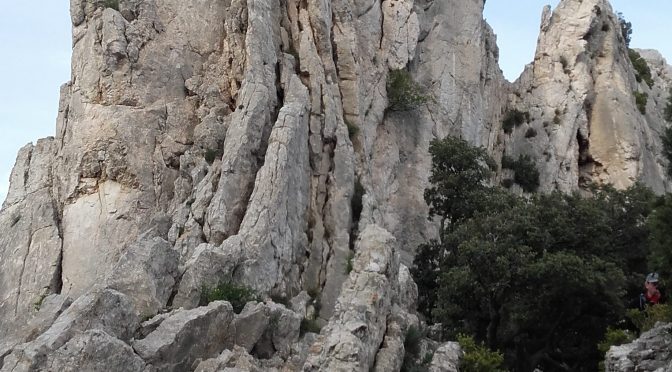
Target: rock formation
{"points": [[652, 352], [249, 142]]}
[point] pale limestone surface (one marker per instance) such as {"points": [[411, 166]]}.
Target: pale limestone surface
{"points": [[201, 142], [651, 352]]}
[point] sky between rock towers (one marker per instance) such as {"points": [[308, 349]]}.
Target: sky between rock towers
{"points": [[36, 49]]}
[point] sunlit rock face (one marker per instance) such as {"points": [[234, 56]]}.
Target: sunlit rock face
{"points": [[250, 142], [584, 125]]}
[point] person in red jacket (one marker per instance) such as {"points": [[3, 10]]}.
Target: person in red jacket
{"points": [[651, 295]]}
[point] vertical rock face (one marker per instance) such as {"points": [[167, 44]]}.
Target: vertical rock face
{"points": [[249, 142], [584, 125]]}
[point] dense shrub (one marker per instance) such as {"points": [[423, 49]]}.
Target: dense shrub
{"points": [[403, 93], [642, 70], [114, 4], [514, 118], [645, 320], [539, 277], [309, 326], [526, 173], [478, 358], [508, 162], [641, 100], [235, 294], [530, 133], [615, 337], [412, 343], [667, 114]]}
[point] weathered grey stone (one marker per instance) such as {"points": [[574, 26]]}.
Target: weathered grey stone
{"points": [[351, 339], [209, 266], [30, 243], [187, 335], [101, 309], [446, 358], [95, 350], [146, 273], [251, 324], [391, 354], [651, 352], [579, 95]]}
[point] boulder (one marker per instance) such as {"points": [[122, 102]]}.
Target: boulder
{"points": [[95, 350], [187, 335]]}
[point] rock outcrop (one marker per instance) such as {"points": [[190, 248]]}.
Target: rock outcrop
{"points": [[651, 352], [250, 143], [583, 124]]}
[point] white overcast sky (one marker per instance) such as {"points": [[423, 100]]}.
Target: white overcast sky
{"points": [[35, 57]]}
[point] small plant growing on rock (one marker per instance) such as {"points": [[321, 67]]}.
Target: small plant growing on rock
{"points": [[530, 133], [237, 295], [348, 263], [640, 100], [352, 129], [668, 108], [666, 138], [309, 326], [514, 118], [642, 70], [478, 358], [403, 93], [211, 155], [412, 343], [645, 320], [114, 4]]}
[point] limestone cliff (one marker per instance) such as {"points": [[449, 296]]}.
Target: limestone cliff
{"points": [[233, 141]]}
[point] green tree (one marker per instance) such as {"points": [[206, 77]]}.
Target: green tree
{"points": [[539, 278], [533, 280], [660, 240], [626, 28], [403, 93], [459, 173], [458, 177]]}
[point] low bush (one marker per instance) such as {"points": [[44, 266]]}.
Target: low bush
{"points": [[508, 162], [237, 295], [412, 348], [352, 129], [114, 4], [530, 133], [615, 337], [309, 326], [403, 93], [645, 320], [526, 173], [211, 155], [514, 118], [478, 358], [667, 114], [642, 70], [641, 100]]}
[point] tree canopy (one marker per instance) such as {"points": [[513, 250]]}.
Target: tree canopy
{"points": [[540, 277]]}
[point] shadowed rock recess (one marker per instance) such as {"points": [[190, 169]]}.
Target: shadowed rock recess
{"points": [[201, 143]]}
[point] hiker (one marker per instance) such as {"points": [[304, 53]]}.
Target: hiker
{"points": [[651, 294]]}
